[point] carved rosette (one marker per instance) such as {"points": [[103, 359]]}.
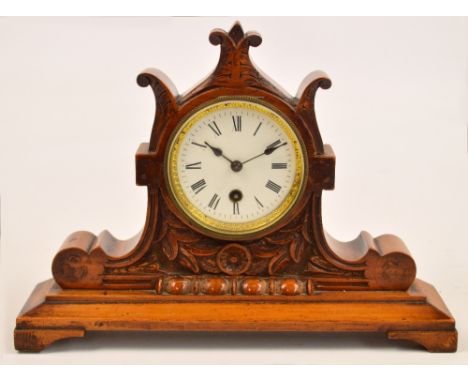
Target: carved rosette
{"points": [[234, 259]]}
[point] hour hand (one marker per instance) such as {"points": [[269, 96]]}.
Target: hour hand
{"points": [[217, 151]]}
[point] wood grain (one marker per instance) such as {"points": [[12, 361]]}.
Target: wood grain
{"points": [[72, 313]]}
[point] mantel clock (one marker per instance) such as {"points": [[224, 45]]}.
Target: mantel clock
{"points": [[233, 238]]}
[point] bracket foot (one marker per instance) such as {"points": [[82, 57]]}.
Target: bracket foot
{"points": [[440, 341], [36, 340]]}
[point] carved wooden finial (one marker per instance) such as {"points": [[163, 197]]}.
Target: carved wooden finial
{"points": [[236, 38], [236, 32]]}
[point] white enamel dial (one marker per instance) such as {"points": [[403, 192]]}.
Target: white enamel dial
{"points": [[236, 166]]}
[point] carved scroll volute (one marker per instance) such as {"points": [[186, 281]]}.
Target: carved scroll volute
{"points": [[165, 94], [305, 106], [75, 265]]}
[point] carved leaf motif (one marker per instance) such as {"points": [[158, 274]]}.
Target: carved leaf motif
{"points": [[266, 255], [209, 265], [184, 236], [188, 260], [277, 263], [317, 261], [296, 248], [306, 227], [162, 231], [281, 238], [170, 246], [202, 251]]}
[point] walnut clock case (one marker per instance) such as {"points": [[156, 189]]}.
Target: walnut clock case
{"points": [[233, 238]]}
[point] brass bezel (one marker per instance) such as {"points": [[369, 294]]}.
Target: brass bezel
{"points": [[227, 229]]}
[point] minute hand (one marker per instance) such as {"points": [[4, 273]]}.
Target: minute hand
{"points": [[218, 152], [267, 151]]}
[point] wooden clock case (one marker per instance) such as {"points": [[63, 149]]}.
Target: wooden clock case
{"points": [[174, 275]]}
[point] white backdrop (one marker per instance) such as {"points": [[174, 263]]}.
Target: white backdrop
{"points": [[72, 117]]}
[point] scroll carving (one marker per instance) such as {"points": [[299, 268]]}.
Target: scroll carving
{"points": [[165, 94]]}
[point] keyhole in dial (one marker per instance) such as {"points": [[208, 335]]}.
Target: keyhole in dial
{"points": [[235, 195]]}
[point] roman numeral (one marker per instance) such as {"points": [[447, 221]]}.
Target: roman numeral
{"points": [[193, 166], [235, 208], [214, 201], [213, 126], [258, 201], [198, 144], [198, 186], [278, 166], [256, 130], [273, 186], [237, 123]]}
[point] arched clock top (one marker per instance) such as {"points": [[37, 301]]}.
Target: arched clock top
{"points": [[235, 74]]}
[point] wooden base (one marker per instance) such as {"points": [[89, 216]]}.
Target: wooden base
{"points": [[52, 314]]}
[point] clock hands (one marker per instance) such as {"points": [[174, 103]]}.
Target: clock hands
{"points": [[255, 157], [269, 149], [275, 145], [236, 165], [218, 152]]}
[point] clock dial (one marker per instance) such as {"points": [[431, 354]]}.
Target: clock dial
{"points": [[235, 167]]}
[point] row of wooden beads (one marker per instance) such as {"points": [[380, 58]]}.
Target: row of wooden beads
{"points": [[215, 286]]}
